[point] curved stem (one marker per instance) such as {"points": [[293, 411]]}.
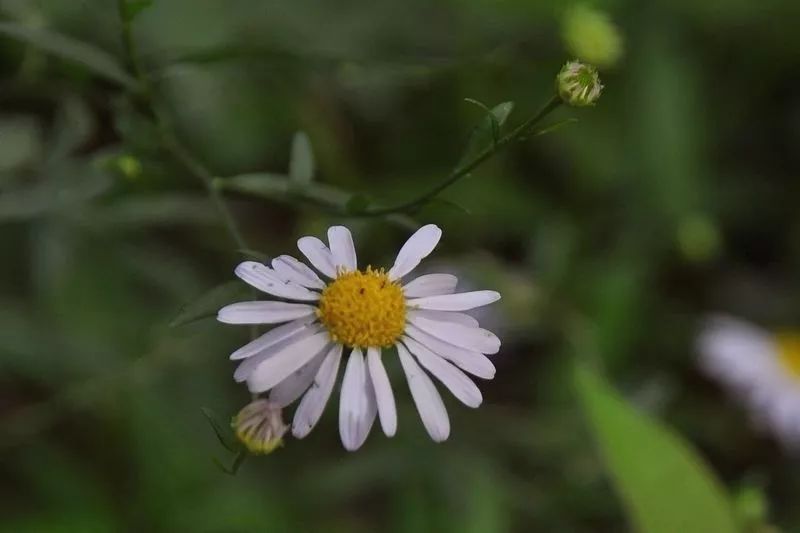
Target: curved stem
{"points": [[463, 169], [168, 137]]}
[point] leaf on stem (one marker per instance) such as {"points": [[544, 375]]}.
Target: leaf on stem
{"points": [[664, 485], [208, 304], [224, 436], [487, 133], [553, 127], [94, 59], [301, 163]]}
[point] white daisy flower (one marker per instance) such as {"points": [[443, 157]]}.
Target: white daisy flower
{"points": [[760, 367], [363, 312]]}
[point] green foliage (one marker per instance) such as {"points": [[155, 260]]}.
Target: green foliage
{"points": [[664, 485], [301, 163], [487, 133], [207, 304], [93, 59]]}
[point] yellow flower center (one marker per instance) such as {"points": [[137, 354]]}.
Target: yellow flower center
{"points": [[363, 309], [789, 351]]}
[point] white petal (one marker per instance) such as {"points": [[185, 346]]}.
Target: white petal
{"points": [[266, 280], [319, 255], [248, 366], [461, 301], [430, 285], [272, 337], [278, 367], [427, 399], [470, 361], [342, 248], [263, 312], [416, 248], [444, 316], [287, 267], [357, 407], [387, 410], [454, 379], [476, 339], [291, 388], [313, 403]]}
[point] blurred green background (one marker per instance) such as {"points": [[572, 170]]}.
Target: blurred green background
{"points": [[610, 238]]}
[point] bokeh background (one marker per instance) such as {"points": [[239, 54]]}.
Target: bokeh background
{"points": [[613, 235]]}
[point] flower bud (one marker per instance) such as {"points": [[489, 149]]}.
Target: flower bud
{"points": [[259, 426], [578, 84]]}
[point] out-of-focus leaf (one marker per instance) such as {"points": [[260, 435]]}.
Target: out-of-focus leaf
{"points": [[301, 164], [146, 211], [94, 59], [209, 303], [486, 133], [74, 124], [224, 436], [665, 486], [357, 204], [74, 185], [277, 187], [134, 7], [20, 142]]}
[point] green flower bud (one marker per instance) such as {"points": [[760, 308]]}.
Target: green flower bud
{"points": [[578, 84], [259, 426], [591, 36]]}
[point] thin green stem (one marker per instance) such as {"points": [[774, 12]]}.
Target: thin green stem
{"points": [[464, 169], [168, 137]]}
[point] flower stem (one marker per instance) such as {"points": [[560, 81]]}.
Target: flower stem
{"points": [[464, 169], [170, 141]]}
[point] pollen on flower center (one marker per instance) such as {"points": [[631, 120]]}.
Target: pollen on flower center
{"points": [[789, 352], [363, 309]]}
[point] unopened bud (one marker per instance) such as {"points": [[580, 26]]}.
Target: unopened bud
{"points": [[259, 426], [578, 84]]}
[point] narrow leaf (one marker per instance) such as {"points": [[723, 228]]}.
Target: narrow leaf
{"points": [[664, 485], [212, 301], [301, 163], [224, 437], [487, 132], [94, 59], [553, 127]]}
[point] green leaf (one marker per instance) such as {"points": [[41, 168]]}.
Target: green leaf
{"points": [[553, 127], [94, 59], [665, 486], [209, 303], [357, 204], [487, 132], [278, 187], [301, 163], [234, 468], [134, 7], [70, 186], [224, 436]]}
